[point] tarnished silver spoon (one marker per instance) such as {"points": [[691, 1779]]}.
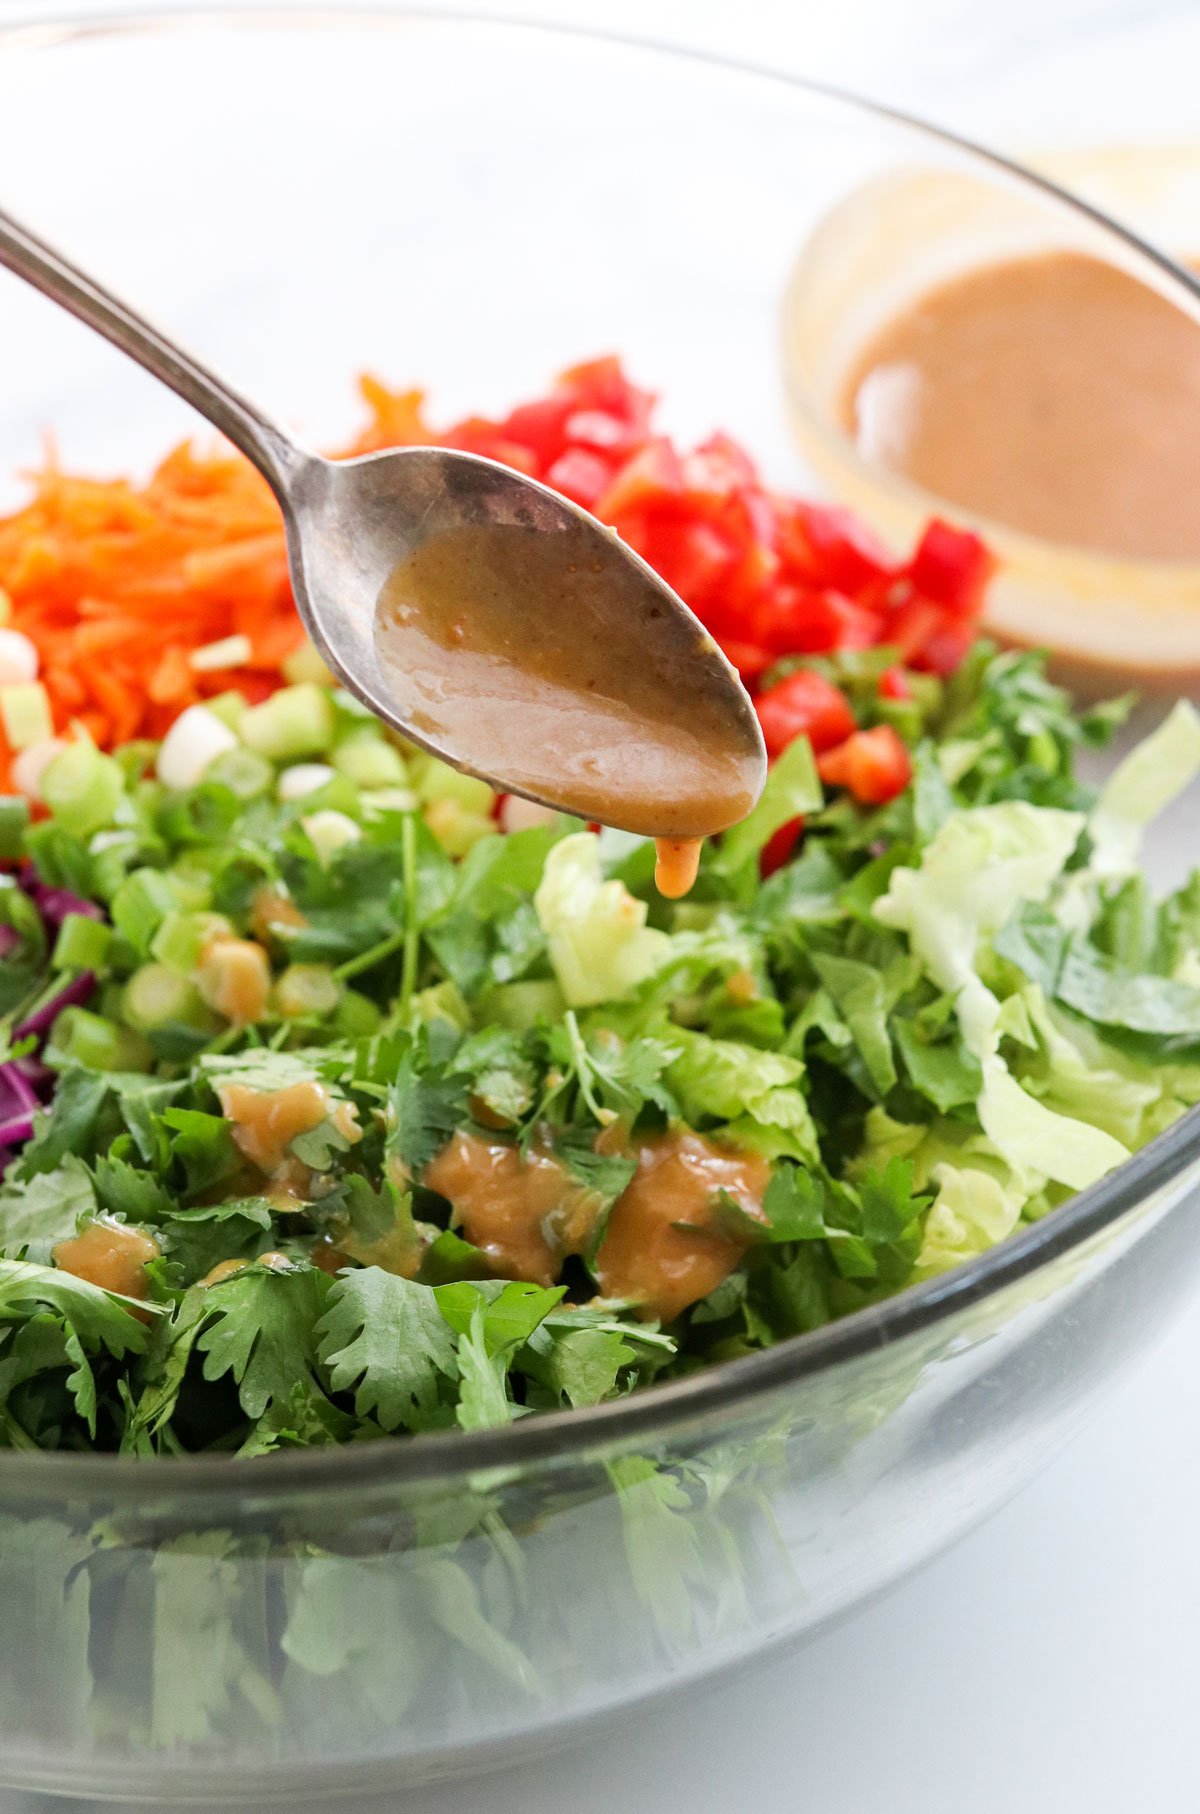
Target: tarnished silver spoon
{"points": [[479, 613]]}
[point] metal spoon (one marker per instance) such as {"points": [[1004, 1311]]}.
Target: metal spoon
{"points": [[352, 523]]}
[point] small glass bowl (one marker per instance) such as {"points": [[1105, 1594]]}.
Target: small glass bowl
{"points": [[1109, 622]]}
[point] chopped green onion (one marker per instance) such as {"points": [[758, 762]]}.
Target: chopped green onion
{"points": [[305, 667], [18, 658], [25, 714], [229, 652], [182, 938], [296, 721], [438, 781], [230, 707], [303, 778], [356, 1016], [192, 880], [81, 1037], [140, 905], [456, 827], [111, 1000], [307, 992], [242, 771], [377, 801], [155, 996], [136, 759], [195, 740], [83, 788], [329, 831], [369, 761], [82, 943], [14, 817]]}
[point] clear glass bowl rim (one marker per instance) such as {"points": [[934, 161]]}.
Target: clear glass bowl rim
{"points": [[444, 1456]]}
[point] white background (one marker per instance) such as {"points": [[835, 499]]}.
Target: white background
{"points": [[1051, 1663]]}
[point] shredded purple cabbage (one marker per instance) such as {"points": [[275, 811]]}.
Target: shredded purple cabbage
{"points": [[54, 904], [18, 1100], [26, 1084], [72, 994]]}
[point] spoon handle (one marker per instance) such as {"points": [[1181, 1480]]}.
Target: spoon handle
{"points": [[276, 454]]}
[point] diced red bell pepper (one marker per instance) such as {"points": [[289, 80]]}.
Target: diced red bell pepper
{"points": [[540, 426], [654, 472], [804, 705], [893, 684], [744, 587], [942, 652], [873, 765], [839, 550], [602, 384], [716, 470], [795, 621], [779, 846], [691, 555], [951, 567], [581, 475], [910, 628], [601, 431]]}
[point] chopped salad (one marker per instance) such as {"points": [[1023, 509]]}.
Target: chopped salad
{"points": [[340, 1097]]}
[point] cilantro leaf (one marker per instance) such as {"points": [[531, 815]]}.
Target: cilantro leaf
{"points": [[492, 1321], [101, 1319], [582, 1366], [794, 1205], [483, 1401], [164, 1366], [124, 1191], [423, 1111], [605, 1175], [510, 1312], [661, 1544], [263, 1332], [78, 1100], [385, 1338], [200, 1238], [890, 1206], [47, 1208], [204, 1146]]}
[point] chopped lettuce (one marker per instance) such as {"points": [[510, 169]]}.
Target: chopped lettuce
{"points": [[600, 945], [1142, 786]]}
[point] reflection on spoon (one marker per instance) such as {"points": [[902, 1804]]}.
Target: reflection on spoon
{"points": [[506, 642]]}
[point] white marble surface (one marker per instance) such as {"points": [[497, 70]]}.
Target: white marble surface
{"points": [[1050, 1663]]}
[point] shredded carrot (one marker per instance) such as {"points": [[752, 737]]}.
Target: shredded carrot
{"points": [[117, 584]]}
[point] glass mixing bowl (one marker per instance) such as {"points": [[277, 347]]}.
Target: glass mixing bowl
{"points": [[471, 205]]}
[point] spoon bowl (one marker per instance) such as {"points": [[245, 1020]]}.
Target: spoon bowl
{"points": [[565, 669]]}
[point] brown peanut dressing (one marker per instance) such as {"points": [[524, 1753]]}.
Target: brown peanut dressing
{"points": [[1053, 393], [507, 643], [662, 1247], [265, 1122], [525, 1214], [110, 1254]]}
